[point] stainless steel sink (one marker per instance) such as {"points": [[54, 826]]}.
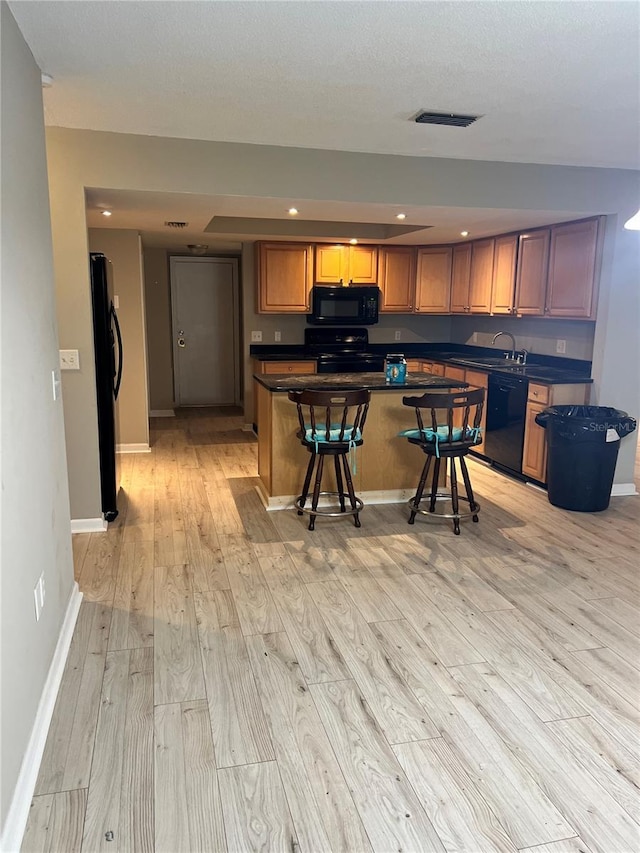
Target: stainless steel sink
{"points": [[490, 361]]}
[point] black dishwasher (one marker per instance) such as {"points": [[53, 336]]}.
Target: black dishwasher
{"points": [[504, 432]]}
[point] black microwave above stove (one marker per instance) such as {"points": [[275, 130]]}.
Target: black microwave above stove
{"points": [[337, 305]]}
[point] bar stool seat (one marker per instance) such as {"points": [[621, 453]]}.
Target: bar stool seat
{"points": [[331, 424], [452, 429]]}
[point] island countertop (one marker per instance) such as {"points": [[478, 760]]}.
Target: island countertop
{"points": [[349, 381]]}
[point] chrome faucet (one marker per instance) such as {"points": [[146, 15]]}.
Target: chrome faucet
{"points": [[513, 343]]}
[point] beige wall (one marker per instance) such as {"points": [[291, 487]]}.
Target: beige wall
{"points": [[123, 249], [35, 500], [537, 335], [158, 312], [79, 158]]}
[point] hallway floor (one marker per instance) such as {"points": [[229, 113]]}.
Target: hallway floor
{"points": [[238, 683]]}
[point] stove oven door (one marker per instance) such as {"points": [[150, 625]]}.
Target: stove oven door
{"points": [[357, 363]]}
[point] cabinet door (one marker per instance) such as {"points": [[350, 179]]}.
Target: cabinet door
{"points": [[481, 276], [479, 379], [363, 265], [397, 279], [534, 455], [331, 264], [433, 281], [572, 270], [460, 277], [288, 367], [531, 277], [285, 276], [504, 275]]}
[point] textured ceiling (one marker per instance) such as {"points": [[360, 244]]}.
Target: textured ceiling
{"points": [[554, 82]]}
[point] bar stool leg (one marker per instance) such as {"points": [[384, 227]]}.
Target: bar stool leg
{"points": [[434, 485], [307, 480], [420, 489], [454, 497], [467, 484], [316, 491], [350, 490], [339, 483]]}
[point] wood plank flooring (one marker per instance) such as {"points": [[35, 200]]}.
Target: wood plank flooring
{"points": [[238, 683]]}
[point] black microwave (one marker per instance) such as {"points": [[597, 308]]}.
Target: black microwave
{"points": [[337, 305]]}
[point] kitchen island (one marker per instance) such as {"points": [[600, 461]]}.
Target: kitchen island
{"points": [[386, 467]]}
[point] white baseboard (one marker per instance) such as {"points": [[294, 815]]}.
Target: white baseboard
{"points": [[387, 496], [18, 813], [162, 413], [143, 447], [88, 525], [620, 489]]}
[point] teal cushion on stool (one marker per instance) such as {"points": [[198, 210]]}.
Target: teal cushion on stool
{"points": [[320, 434], [442, 434]]}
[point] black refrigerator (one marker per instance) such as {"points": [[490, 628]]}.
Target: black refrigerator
{"points": [[107, 342]]}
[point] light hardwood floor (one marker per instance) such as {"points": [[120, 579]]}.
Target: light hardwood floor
{"points": [[238, 683]]}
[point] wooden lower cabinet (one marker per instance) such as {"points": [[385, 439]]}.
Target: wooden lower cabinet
{"points": [[534, 455], [260, 366]]}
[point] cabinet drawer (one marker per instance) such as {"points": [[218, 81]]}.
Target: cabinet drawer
{"points": [[539, 393], [288, 367]]}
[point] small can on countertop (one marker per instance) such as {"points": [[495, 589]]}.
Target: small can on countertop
{"points": [[395, 368]]}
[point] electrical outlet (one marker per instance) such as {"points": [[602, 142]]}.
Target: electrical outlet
{"points": [[561, 346], [397, 335], [277, 337], [69, 359], [256, 337]]}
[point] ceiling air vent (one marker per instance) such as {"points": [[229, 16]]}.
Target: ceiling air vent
{"points": [[449, 119], [175, 224]]}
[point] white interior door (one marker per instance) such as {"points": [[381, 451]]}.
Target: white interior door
{"points": [[204, 305]]}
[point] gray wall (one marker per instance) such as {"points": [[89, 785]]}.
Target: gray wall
{"points": [[536, 334], [79, 159], [35, 501], [158, 316]]}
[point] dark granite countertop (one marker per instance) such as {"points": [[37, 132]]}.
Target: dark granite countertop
{"points": [[350, 381], [548, 370]]}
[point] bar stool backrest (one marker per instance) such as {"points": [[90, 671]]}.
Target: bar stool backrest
{"points": [[443, 407], [339, 413]]}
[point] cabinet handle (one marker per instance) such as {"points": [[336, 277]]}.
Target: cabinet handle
{"points": [[535, 393]]}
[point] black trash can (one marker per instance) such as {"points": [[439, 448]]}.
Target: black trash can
{"points": [[582, 444]]}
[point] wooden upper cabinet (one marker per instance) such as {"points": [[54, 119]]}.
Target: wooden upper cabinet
{"points": [[397, 278], [346, 264], [504, 275], [433, 281], [573, 262], [531, 277], [285, 277], [481, 276], [460, 278]]}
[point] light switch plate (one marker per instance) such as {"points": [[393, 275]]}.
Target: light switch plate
{"points": [[55, 383], [277, 337], [561, 346], [69, 359], [397, 335]]}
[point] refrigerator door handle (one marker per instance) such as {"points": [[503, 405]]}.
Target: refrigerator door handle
{"points": [[116, 324]]}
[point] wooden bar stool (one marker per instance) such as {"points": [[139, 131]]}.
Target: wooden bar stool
{"points": [[331, 424], [453, 427]]}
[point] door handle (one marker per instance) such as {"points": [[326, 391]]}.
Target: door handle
{"points": [[181, 341]]}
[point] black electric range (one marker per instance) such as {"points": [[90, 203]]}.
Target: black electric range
{"points": [[341, 350]]}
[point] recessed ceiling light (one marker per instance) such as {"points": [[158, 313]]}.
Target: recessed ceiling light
{"points": [[293, 211], [353, 242], [401, 215], [464, 233], [106, 213]]}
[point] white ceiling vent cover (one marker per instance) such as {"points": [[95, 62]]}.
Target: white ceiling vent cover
{"points": [[447, 119], [176, 224]]}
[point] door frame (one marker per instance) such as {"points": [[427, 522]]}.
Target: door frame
{"points": [[235, 297]]}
